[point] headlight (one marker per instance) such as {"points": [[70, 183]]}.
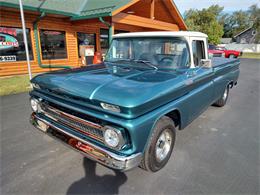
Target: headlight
{"points": [[113, 137], [110, 107], [35, 105], [35, 86]]}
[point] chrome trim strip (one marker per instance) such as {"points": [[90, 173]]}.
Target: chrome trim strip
{"points": [[74, 127], [112, 160], [66, 118], [57, 111]]}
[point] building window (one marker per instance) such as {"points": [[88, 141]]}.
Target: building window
{"points": [[53, 44], [243, 40], [104, 39], [86, 39], [12, 45]]}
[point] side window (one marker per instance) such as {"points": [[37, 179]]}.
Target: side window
{"points": [[198, 51]]}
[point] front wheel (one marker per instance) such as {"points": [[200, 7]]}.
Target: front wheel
{"points": [[223, 100], [160, 145], [232, 56]]}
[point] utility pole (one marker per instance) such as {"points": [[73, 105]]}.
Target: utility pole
{"points": [[25, 40]]}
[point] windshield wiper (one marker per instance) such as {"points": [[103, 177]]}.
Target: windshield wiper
{"points": [[146, 62], [118, 61]]}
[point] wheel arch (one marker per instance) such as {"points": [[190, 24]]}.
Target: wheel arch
{"points": [[174, 114], [230, 83]]}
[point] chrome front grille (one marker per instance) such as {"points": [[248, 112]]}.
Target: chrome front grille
{"points": [[83, 126]]}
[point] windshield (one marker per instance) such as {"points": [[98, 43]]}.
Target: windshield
{"points": [[159, 53], [212, 47], [221, 48]]}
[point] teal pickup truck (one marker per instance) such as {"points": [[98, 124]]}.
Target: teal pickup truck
{"points": [[124, 112]]}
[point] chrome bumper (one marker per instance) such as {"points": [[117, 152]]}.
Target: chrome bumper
{"points": [[88, 149]]}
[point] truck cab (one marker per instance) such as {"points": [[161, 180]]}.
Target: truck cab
{"points": [[186, 48], [124, 112]]}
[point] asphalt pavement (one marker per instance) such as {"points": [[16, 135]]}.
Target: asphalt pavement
{"points": [[218, 153]]}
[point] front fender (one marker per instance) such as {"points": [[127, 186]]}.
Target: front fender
{"points": [[140, 129]]}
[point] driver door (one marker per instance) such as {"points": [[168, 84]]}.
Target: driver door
{"points": [[199, 80]]}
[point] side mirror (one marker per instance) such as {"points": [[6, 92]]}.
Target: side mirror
{"points": [[206, 63]]}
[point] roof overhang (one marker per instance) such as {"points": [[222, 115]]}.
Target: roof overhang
{"points": [[175, 14], [143, 22], [117, 9], [30, 8], [162, 34], [114, 12], [243, 32]]}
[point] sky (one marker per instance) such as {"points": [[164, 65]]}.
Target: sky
{"points": [[230, 5]]}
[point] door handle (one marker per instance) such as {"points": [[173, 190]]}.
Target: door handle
{"points": [[191, 74], [189, 81]]}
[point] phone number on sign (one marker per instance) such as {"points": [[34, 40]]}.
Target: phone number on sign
{"points": [[7, 58]]}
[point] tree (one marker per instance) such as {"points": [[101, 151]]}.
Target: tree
{"points": [[216, 24], [241, 20], [235, 23], [206, 21], [254, 12]]}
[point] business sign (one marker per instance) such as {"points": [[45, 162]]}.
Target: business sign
{"points": [[7, 58], [9, 31], [7, 41], [89, 50], [51, 32]]}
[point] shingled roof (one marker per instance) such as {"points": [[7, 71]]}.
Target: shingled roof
{"points": [[74, 8], [82, 9]]}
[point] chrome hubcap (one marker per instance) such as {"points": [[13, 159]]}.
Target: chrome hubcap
{"points": [[163, 145], [225, 94]]}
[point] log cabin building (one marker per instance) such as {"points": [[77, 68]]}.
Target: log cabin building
{"points": [[60, 32]]}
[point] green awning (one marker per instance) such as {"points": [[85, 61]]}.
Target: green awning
{"points": [[76, 9]]}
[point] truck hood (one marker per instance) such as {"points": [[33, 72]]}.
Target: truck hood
{"points": [[135, 91]]}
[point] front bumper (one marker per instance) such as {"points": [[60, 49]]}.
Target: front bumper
{"points": [[88, 149]]}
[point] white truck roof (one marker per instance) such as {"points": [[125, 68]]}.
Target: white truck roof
{"points": [[162, 34]]}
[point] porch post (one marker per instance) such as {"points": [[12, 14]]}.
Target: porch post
{"points": [[111, 32], [152, 10]]}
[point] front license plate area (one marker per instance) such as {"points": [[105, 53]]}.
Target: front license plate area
{"points": [[42, 126], [85, 148]]}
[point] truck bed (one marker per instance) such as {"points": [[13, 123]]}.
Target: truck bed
{"points": [[220, 61]]}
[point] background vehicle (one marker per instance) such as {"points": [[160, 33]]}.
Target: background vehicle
{"points": [[228, 53], [213, 52], [125, 111]]}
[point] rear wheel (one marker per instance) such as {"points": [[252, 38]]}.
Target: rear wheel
{"points": [[160, 145], [223, 100]]}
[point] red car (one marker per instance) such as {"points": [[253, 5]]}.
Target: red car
{"points": [[215, 53], [227, 53]]}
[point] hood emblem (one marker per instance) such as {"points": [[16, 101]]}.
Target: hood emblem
{"points": [[114, 69]]}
